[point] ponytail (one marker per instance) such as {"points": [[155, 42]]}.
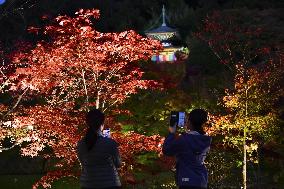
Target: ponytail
{"points": [[94, 119], [91, 138]]}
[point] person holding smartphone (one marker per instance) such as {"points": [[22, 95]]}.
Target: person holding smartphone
{"points": [[190, 150], [98, 155]]}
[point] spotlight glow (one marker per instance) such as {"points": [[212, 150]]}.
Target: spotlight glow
{"points": [[2, 2]]}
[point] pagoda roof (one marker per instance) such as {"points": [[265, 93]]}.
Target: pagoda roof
{"points": [[163, 32], [162, 29]]}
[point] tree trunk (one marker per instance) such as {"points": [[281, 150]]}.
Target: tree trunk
{"points": [[98, 100], [245, 162], [85, 86], [245, 145]]}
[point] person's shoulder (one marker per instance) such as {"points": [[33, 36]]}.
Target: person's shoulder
{"points": [[113, 142], [109, 141], [183, 135], [80, 142]]}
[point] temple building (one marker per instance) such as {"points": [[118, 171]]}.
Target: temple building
{"points": [[166, 35]]}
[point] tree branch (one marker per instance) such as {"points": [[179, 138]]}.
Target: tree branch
{"points": [[17, 103], [9, 148], [85, 86]]}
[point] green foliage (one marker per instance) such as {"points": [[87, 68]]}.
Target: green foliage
{"points": [[148, 159], [162, 180], [151, 110], [14, 181], [222, 168], [70, 183]]}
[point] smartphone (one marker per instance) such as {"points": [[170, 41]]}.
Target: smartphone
{"points": [[177, 118], [106, 133]]}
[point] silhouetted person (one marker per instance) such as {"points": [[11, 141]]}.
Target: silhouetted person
{"points": [[190, 150], [98, 155]]}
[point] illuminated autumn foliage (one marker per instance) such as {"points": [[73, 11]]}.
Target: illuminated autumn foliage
{"points": [[250, 117], [82, 62], [75, 68], [256, 69]]}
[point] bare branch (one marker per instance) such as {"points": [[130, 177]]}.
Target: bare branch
{"points": [[17, 103], [85, 86]]}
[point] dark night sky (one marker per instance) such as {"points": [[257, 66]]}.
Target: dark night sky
{"points": [[116, 15]]}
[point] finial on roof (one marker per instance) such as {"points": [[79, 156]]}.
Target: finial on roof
{"points": [[164, 16]]}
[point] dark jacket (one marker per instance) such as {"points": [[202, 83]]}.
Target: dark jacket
{"points": [[190, 151], [99, 165]]}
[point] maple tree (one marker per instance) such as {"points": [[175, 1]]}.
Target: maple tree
{"points": [[92, 63], [73, 69], [250, 116]]}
